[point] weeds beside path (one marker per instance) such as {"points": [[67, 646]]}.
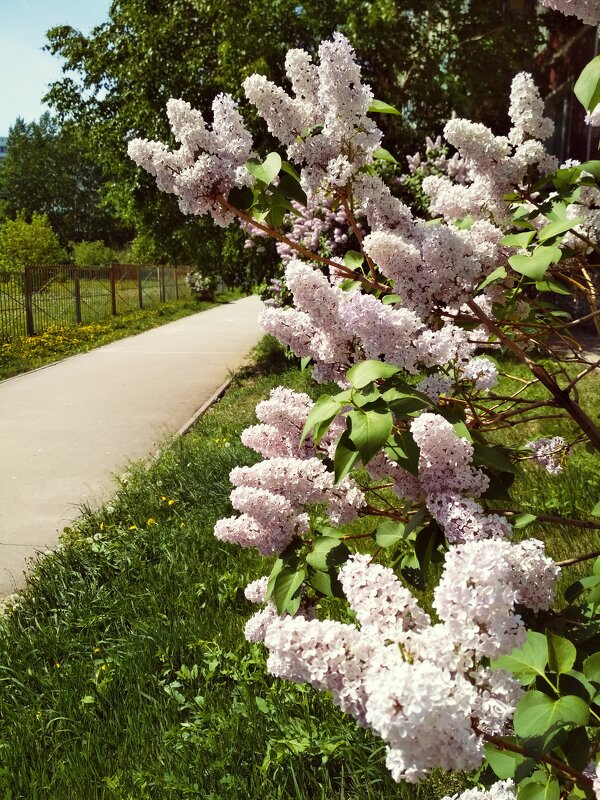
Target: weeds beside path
{"points": [[22, 355]]}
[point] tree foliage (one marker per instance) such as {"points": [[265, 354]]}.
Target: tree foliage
{"points": [[49, 170], [424, 57]]}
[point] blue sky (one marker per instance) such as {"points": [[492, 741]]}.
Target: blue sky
{"points": [[25, 69]]}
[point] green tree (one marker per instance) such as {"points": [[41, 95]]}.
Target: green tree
{"points": [[49, 170], [24, 244], [424, 57]]}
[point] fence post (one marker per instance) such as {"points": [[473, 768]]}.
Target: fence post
{"points": [[113, 290], [176, 283], [139, 284], [77, 296], [28, 287], [161, 278]]}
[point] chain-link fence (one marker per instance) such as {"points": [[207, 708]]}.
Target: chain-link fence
{"points": [[42, 297]]}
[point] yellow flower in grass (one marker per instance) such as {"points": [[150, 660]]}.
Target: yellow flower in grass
{"points": [[151, 521]]}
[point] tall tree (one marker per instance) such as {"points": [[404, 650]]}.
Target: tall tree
{"points": [[49, 170]]}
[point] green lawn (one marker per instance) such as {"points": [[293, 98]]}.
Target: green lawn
{"points": [[123, 670], [22, 355]]}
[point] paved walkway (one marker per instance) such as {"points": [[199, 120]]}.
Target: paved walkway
{"points": [[65, 429]]}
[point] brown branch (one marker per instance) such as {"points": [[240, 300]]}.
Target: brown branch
{"points": [[586, 557], [562, 398], [359, 238], [502, 744], [341, 269]]}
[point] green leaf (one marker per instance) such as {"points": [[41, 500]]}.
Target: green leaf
{"points": [[493, 456], [388, 299], [496, 275], [528, 661], [389, 532], [291, 188], [535, 265], [366, 371], [591, 668], [558, 227], [327, 552], [523, 520], [546, 790], [379, 107], [369, 431], [593, 167], [403, 449], [268, 170], [353, 259], [520, 240], [561, 653], [381, 154], [262, 705], [286, 589], [506, 763], [325, 582], [346, 456], [596, 510], [550, 285], [536, 713], [587, 88], [461, 430], [289, 170], [304, 362], [322, 414], [577, 588]]}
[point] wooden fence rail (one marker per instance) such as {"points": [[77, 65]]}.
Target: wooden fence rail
{"points": [[45, 296]]}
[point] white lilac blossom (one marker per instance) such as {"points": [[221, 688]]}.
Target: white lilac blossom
{"points": [[439, 265], [549, 453], [593, 117], [464, 519], [434, 386], [329, 95], [527, 111], [501, 790], [412, 683], [482, 371], [482, 582], [495, 164], [382, 604], [445, 458], [208, 164], [271, 497], [587, 11]]}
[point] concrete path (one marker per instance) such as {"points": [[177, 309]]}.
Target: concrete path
{"points": [[65, 429]]}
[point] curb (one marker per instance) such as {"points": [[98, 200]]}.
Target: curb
{"points": [[187, 426]]}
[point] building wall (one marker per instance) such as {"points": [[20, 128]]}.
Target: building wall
{"points": [[3, 147]]}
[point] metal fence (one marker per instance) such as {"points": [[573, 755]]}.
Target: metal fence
{"points": [[42, 297]]}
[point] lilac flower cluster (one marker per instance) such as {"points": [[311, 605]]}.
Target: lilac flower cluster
{"points": [[549, 453], [271, 496], [208, 164], [501, 790], [495, 164], [324, 127], [419, 685]]}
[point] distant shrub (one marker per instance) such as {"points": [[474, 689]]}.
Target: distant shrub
{"points": [[202, 287], [24, 244], [92, 254]]}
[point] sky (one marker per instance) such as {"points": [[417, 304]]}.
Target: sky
{"points": [[25, 69]]}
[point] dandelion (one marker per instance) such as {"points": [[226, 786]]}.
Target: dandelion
{"points": [[151, 521]]}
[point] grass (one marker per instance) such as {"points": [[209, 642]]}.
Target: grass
{"points": [[124, 674], [22, 355]]}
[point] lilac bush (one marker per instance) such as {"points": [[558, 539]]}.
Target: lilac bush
{"points": [[399, 322]]}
